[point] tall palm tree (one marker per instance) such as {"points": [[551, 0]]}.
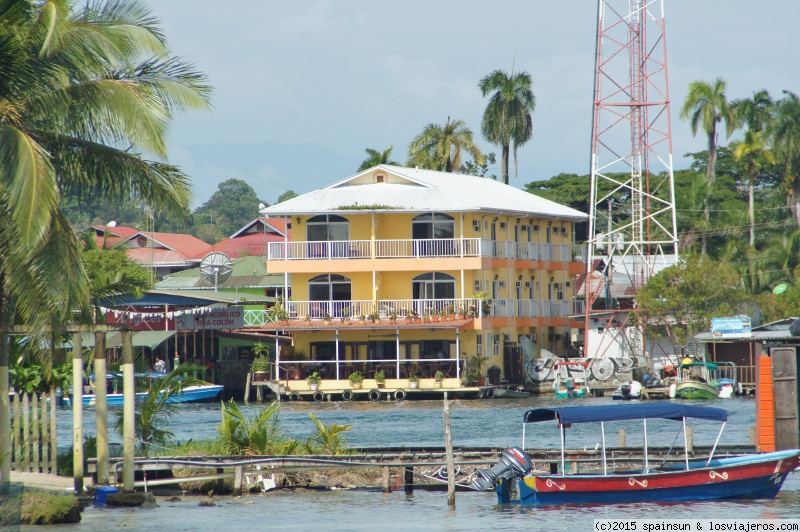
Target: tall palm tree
{"points": [[755, 112], [754, 154], [785, 133], [507, 119], [86, 92], [705, 106], [374, 158], [442, 147]]}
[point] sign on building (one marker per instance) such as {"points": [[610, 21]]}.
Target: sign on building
{"points": [[738, 326], [215, 318]]}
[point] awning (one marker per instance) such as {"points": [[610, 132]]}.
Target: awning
{"points": [[585, 414], [150, 339]]}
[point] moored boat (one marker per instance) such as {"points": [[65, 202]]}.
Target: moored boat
{"points": [[747, 476], [188, 394], [706, 380]]}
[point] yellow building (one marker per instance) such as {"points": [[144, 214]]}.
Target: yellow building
{"points": [[414, 271]]}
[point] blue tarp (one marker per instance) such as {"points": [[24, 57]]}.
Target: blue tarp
{"points": [[596, 414]]}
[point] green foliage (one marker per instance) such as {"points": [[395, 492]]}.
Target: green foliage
{"points": [[258, 436], [41, 507], [356, 377], [228, 209], [26, 378], [681, 300], [438, 376], [154, 411], [442, 147], [380, 376], [480, 170], [286, 196], [314, 378], [328, 438], [375, 157]]}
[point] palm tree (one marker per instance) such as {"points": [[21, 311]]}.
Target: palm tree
{"points": [[85, 93], [442, 147], [785, 134], [374, 158], [753, 153], [756, 112], [507, 119], [705, 106]]}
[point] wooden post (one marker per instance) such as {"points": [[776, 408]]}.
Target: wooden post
{"points": [[45, 457], [128, 414], [77, 412], [5, 412], [17, 431], [26, 433], [247, 388], [238, 476], [448, 445], [387, 487], [622, 438], [53, 442], [101, 407], [689, 439], [753, 435], [35, 434], [409, 479]]}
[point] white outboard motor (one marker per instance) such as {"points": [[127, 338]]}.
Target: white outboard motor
{"points": [[514, 462]]}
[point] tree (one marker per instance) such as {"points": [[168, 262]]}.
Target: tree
{"points": [[374, 158], [480, 170], [286, 196], [755, 112], [442, 147], [234, 204], [683, 298], [754, 154], [785, 134], [507, 119], [85, 94], [705, 106]]}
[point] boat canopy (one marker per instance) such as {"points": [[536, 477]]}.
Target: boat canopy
{"points": [[596, 414]]}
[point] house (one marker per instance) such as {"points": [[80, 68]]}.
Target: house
{"points": [[414, 271], [253, 238]]}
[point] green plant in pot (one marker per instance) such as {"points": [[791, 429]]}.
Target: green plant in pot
{"points": [[438, 377], [474, 370], [259, 368], [413, 381], [380, 378], [356, 379], [314, 381]]}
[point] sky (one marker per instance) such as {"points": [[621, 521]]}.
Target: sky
{"points": [[303, 87]]}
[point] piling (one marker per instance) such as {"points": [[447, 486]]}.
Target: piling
{"points": [[622, 438], [690, 439], [409, 479], [77, 412], [101, 407], [128, 413], [387, 487], [448, 445]]}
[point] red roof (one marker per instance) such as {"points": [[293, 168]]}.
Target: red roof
{"points": [[108, 236], [253, 244]]}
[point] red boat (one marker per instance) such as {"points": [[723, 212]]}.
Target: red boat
{"points": [[748, 476]]}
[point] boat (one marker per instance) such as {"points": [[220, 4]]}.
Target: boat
{"points": [[570, 381], [628, 391], [745, 476], [706, 380], [507, 392], [188, 394]]}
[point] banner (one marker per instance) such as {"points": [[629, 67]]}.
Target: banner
{"points": [[216, 318]]}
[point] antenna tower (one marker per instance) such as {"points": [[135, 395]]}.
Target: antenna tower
{"points": [[632, 224]]}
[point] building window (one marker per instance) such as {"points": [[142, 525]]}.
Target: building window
{"points": [[428, 230], [437, 290], [333, 233], [330, 288]]}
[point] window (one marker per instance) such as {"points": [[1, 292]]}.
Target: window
{"points": [[433, 286], [328, 287], [328, 228], [428, 230]]}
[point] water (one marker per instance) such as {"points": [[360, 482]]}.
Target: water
{"points": [[474, 423]]}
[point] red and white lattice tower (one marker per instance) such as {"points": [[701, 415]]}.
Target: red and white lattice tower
{"points": [[632, 224]]}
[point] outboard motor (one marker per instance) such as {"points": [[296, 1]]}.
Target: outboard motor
{"points": [[625, 390], [514, 462]]}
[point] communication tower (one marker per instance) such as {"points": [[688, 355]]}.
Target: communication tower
{"points": [[632, 224]]}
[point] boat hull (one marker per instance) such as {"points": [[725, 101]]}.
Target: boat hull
{"points": [[754, 476], [190, 394], [696, 390]]}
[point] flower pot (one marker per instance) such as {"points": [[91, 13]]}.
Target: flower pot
{"points": [[259, 376], [381, 384], [314, 387], [437, 384], [413, 385], [356, 385]]}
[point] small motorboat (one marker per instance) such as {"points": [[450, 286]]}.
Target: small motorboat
{"points": [[612, 481], [628, 391], [114, 396], [570, 381]]}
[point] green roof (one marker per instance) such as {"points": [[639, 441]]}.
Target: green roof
{"points": [[248, 271]]}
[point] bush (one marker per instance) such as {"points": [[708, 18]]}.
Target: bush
{"points": [[46, 508]]}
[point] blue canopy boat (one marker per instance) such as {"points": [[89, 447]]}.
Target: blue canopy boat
{"points": [[748, 476], [188, 394]]}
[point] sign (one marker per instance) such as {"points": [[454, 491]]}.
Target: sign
{"points": [[141, 321], [215, 318], [738, 327]]}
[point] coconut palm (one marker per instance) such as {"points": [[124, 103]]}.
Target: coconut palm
{"points": [[375, 157], [442, 147], [754, 154], [87, 96], [507, 119], [705, 106], [755, 112], [785, 134]]}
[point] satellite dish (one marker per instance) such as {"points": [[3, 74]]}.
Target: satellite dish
{"points": [[216, 267], [112, 223], [781, 288], [261, 206]]}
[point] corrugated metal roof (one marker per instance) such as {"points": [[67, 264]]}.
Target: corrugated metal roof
{"points": [[247, 271], [417, 190]]}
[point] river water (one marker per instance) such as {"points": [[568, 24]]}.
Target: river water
{"points": [[419, 424]]}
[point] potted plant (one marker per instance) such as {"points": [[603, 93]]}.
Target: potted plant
{"points": [[474, 370], [313, 381], [362, 318], [356, 380], [346, 315], [409, 316], [438, 377], [374, 317], [413, 381], [393, 317], [380, 378], [259, 368], [326, 318]]}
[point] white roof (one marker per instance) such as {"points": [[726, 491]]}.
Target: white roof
{"points": [[417, 190]]}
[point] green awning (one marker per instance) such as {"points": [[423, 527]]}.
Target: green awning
{"points": [[149, 339]]}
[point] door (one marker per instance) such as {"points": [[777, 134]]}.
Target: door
{"points": [[784, 385]]}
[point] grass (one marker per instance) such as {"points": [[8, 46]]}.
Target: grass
{"points": [[41, 507]]}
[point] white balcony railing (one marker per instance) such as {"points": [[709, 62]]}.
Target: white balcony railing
{"points": [[419, 248]]}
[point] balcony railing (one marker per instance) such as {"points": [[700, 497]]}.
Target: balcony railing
{"points": [[424, 248], [383, 309]]}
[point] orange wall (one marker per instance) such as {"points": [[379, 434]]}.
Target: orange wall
{"points": [[765, 406]]}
